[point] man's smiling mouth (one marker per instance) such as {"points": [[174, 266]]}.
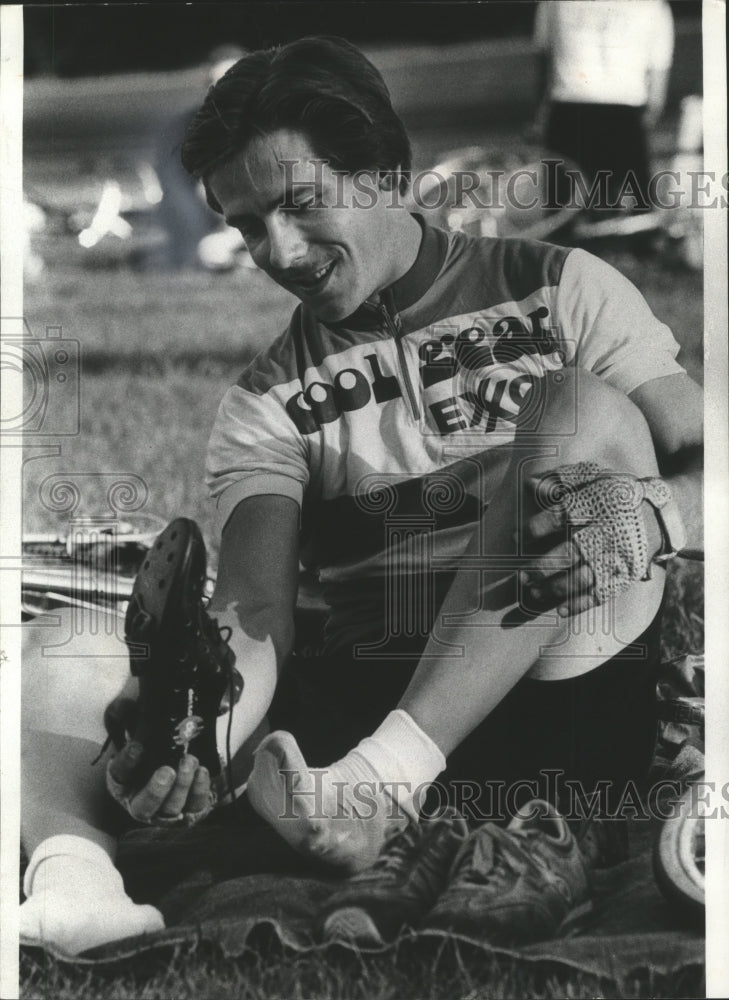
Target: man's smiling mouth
{"points": [[314, 281]]}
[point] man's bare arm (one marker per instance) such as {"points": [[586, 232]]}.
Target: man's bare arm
{"points": [[255, 595], [673, 408], [502, 629]]}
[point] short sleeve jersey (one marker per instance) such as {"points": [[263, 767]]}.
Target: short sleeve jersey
{"points": [[382, 427]]}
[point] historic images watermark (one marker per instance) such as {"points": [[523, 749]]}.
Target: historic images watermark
{"points": [[498, 801], [549, 184]]}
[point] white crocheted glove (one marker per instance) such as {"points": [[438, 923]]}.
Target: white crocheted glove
{"points": [[606, 509]]}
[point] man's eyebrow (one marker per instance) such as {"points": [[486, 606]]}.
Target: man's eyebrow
{"points": [[302, 188], [239, 217]]}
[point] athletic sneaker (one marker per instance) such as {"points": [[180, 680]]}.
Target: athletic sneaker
{"points": [[401, 886], [526, 882], [184, 664]]}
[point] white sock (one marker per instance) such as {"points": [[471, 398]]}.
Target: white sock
{"points": [[400, 755], [76, 898], [343, 814]]}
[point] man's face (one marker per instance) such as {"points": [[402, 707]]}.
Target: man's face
{"points": [[325, 237]]}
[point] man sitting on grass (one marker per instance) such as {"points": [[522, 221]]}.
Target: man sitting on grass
{"points": [[485, 448]]}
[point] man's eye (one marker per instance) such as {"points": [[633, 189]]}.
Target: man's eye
{"points": [[301, 206], [306, 203]]}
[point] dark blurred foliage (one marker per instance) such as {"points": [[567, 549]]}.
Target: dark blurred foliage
{"points": [[90, 39]]}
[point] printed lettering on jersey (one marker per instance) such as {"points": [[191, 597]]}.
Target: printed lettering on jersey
{"points": [[483, 372], [475, 372]]}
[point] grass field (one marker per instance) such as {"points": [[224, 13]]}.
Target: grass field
{"points": [[408, 973], [157, 355]]}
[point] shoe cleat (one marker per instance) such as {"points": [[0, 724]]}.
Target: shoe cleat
{"points": [[183, 662]]}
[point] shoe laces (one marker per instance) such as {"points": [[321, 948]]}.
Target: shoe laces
{"points": [[492, 856], [420, 840], [392, 861], [214, 638]]}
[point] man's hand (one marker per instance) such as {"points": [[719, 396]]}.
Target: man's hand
{"points": [[560, 576], [167, 797]]}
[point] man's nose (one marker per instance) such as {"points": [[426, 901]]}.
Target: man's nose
{"points": [[286, 245]]}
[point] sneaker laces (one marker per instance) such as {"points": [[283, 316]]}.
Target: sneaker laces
{"points": [[392, 860], [432, 865], [492, 855]]}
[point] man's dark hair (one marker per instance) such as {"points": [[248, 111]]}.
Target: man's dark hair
{"points": [[324, 87]]}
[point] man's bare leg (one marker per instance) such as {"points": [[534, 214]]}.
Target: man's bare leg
{"points": [[450, 695], [63, 702], [76, 896]]}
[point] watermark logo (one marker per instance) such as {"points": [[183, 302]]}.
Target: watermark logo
{"points": [[89, 570], [545, 183], [41, 385], [322, 796]]}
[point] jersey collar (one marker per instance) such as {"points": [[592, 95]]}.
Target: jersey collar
{"points": [[409, 288]]}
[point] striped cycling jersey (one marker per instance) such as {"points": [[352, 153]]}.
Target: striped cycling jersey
{"points": [[384, 427]]}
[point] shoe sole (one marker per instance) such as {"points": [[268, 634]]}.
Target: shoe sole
{"points": [[165, 599], [169, 585], [353, 924]]}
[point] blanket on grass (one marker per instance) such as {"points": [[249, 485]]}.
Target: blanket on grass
{"points": [[223, 882]]}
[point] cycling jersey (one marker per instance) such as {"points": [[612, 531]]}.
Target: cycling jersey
{"points": [[384, 427]]}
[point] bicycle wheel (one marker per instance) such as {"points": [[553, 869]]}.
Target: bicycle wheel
{"points": [[679, 855]]}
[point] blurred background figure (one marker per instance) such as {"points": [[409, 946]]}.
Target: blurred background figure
{"points": [[687, 222], [182, 213], [605, 70], [34, 221]]}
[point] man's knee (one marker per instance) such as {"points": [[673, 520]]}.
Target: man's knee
{"points": [[586, 419]]}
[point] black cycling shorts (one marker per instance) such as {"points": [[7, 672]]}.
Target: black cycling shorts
{"points": [[595, 731]]}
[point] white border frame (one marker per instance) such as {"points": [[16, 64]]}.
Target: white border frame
{"points": [[717, 496]]}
